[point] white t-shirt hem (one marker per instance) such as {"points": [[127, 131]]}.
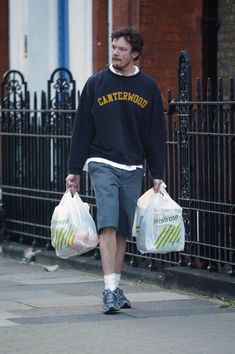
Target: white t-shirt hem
{"points": [[111, 163]]}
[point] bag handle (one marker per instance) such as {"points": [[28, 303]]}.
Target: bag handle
{"points": [[162, 188]]}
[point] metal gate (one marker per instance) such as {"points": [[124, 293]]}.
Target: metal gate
{"points": [[200, 167]]}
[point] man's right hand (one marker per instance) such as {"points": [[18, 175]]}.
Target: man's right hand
{"points": [[72, 183]]}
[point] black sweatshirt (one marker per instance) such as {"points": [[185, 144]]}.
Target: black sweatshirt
{"points": [[121, 119]]}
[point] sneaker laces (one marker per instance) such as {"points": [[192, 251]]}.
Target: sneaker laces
{"points": [[108, 296], [120, 292]]}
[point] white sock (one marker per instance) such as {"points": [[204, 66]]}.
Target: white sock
{"points": [[118, 278], [110, 281]]}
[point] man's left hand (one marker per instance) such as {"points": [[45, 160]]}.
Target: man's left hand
{"points": [[156, 184]]}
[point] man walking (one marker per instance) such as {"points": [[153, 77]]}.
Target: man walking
{"points": [[119, 123]]}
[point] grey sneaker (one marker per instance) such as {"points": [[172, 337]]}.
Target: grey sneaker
{"points": [[110, 301], [123, 301]]}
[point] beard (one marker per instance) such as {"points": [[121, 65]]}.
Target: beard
{"points": [[117, 64]]}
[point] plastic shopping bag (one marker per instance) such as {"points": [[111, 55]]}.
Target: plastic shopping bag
{"points": [[142, 206], [159, 226], [73, 230]]}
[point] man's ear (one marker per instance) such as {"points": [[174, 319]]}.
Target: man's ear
{"points": [[135, 55]]}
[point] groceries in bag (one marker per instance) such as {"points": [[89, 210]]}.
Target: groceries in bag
{"points": [[73, 230]]}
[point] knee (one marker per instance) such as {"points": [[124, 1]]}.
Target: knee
{"points": [[108, 231]]}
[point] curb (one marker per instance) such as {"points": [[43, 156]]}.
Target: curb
{"points": [[201, 281], [182, 278]]}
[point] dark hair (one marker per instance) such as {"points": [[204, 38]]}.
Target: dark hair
{"points": [[133, 37]]}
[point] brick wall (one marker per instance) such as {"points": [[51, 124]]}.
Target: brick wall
{"points": [[168, 27], [100, 34], [226, 41], [126, 13]]}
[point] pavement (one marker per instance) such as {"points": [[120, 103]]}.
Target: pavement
{"points": [[48, 308]]}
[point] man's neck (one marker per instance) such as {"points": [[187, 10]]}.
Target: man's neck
{"points": [[129, 72], [125, 71]]}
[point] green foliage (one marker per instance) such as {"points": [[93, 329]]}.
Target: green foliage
{"points": [[226, 304]]}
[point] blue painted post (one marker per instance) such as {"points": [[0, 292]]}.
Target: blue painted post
{"points": [[63, 34]]}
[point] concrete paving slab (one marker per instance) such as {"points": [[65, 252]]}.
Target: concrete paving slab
{"points": [[60, 280], [7, 323], [5, 320], [23, 294], [62, 301], [156, 296], [12, 306]]}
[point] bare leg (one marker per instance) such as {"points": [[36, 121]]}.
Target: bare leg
{"points": [[112, 250], [108, 250], [120, 253]]}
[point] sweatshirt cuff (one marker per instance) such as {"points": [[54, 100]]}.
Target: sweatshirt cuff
{"points": [[74, 171], [157, 175]]}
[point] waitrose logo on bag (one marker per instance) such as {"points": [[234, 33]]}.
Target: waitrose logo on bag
{"points": [[165, 219], [59, 222]]}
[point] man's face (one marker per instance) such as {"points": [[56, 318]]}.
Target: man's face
{"points": [[122, 55]]}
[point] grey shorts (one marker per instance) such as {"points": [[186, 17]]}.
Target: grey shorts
{"points": [[116, 192]]}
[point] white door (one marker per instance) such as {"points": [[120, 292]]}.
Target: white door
{"points": [[33, 40]]}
